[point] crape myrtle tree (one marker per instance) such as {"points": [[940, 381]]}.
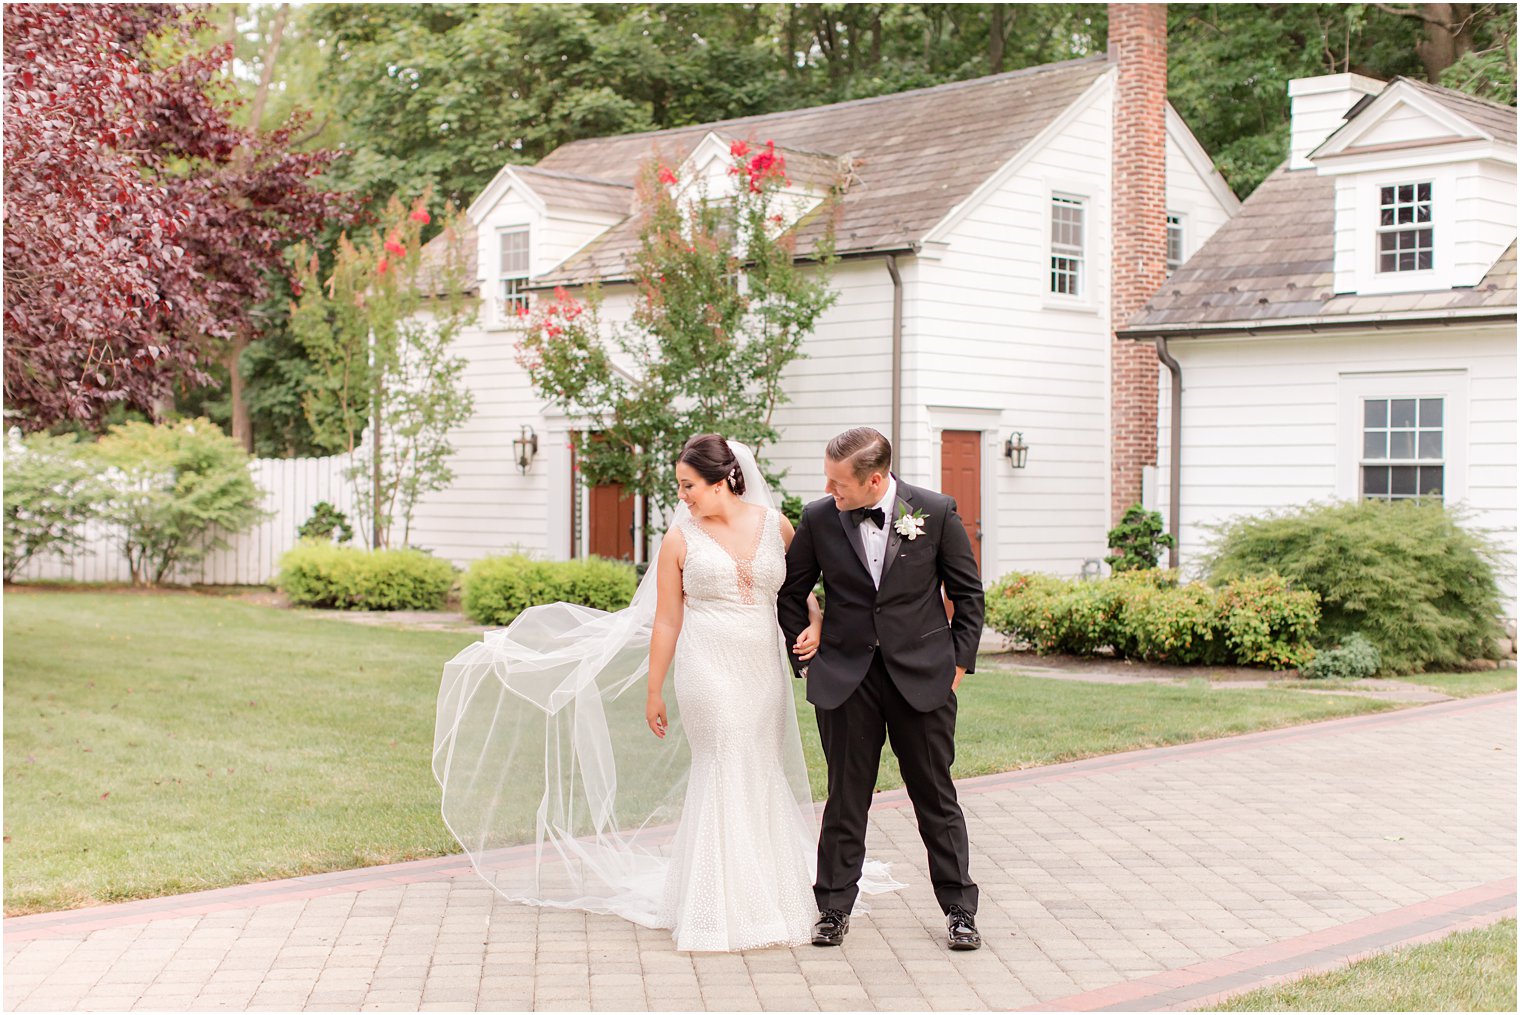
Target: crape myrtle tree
{"points": [[723, 305]]}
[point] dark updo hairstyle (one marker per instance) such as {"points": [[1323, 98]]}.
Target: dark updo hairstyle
{"points": [[709, 455]]}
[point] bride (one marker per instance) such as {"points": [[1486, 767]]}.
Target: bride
{"points": [[706, 829]]}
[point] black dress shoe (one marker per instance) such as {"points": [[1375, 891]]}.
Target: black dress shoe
{"points": [[962, 928], [832, 926]]}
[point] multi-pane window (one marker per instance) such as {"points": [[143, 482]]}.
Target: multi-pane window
{"points": [[512, 277], [1067, 216], [1173, 243], [1405, 233], [1403, 448]]}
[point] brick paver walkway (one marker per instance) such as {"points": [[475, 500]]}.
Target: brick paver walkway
{"points": [[1153, 879]]}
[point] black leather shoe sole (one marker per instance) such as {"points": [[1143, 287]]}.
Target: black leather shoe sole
{"points": [[965, 944]]}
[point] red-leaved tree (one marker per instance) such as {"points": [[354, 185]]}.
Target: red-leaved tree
{"points": [[141, 224]]}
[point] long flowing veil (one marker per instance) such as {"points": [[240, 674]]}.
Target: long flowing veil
{"points": [[551, 780]]}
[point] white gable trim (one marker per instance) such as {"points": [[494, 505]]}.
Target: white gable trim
{"points": [[1177, 129], [944, 227], [1398, 94], [502, 182]]}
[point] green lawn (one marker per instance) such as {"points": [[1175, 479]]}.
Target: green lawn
{"points": [[1458, 685], [1466, 685], [167, 743], [1471, 971]]}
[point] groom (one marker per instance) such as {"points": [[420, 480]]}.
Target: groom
{"points": [[887, 668]]}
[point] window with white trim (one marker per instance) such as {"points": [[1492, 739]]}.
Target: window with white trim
{"points": [[1403, 448], [512, 273], [1174, 255], [1405, 233], [1067, 228]]}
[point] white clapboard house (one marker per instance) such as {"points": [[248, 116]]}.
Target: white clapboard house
{"points": [[976, 242], [1351, 332]]}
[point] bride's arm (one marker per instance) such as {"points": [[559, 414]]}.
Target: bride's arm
{"points": [[668, 610], [806, 645]]}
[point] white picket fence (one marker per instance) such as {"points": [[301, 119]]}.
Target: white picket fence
{"points": [[291, 486]]}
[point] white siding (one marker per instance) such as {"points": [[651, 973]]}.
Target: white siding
{"points": [[1189, 196], [985, 333], [1263, 427], [845, 377]]}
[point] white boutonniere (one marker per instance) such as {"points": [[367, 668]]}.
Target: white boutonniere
{"points": [[910, 524]]}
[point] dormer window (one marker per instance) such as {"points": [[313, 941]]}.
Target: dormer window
{"points": [[1405, 233], [512, 275]]}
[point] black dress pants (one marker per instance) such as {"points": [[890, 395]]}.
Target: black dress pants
{"points": [[924, 743]]}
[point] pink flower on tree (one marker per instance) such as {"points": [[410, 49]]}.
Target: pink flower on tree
{"points": [[667, 176], [421, 215]]}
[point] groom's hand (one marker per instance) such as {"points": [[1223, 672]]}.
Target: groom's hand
{"points": [[960, 671]]}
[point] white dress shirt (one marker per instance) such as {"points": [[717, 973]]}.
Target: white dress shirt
{"points": [[875, 539]]}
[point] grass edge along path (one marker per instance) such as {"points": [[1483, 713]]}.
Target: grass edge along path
{"points": [[1471, 970], [160, 744]]}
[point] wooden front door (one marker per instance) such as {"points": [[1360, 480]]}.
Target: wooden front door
{"points": [[609, 517], [960, 476], [610, 514]]}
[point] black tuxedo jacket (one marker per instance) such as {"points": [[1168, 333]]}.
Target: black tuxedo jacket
{"points": [[904, 619]]}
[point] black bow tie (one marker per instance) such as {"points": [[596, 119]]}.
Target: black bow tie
{"points": [[875, 514]]}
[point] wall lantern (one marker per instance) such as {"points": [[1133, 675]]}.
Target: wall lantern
{"points": [[524, 447], [1016, 450]]}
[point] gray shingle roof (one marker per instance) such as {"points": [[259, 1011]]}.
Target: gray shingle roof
{"points": [[915, 154], [1266, 266], [573, 191], [1488, 116]]}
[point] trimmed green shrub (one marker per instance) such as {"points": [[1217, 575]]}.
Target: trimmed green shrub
{"points": [[317, 573], [497, 589], [326, 523], [51, 490], [1352, 659], [177, 491], [1137, 541], [1413, 581], [1172, 625], [1147, 615], [1265, 623]]}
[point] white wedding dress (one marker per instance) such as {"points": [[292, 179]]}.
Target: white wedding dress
{"points": [[741, 871], [561, 796]]}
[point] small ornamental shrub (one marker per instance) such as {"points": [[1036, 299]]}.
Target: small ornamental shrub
{"points": [[497, 589], [1353, 659], [1408, 577], [176, 492], [322, 574], [51, 491], [1137, 541], [1265, 623], [326, 523]]}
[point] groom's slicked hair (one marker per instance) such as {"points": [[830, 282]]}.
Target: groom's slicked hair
{"points": [[865, 450]]}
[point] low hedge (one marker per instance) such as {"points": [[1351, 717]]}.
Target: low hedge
{"points": [[1148, 615], [497, 589], [316, 573]]}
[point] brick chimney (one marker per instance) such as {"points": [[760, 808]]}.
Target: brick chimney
{"points": [[1137, 44]]}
